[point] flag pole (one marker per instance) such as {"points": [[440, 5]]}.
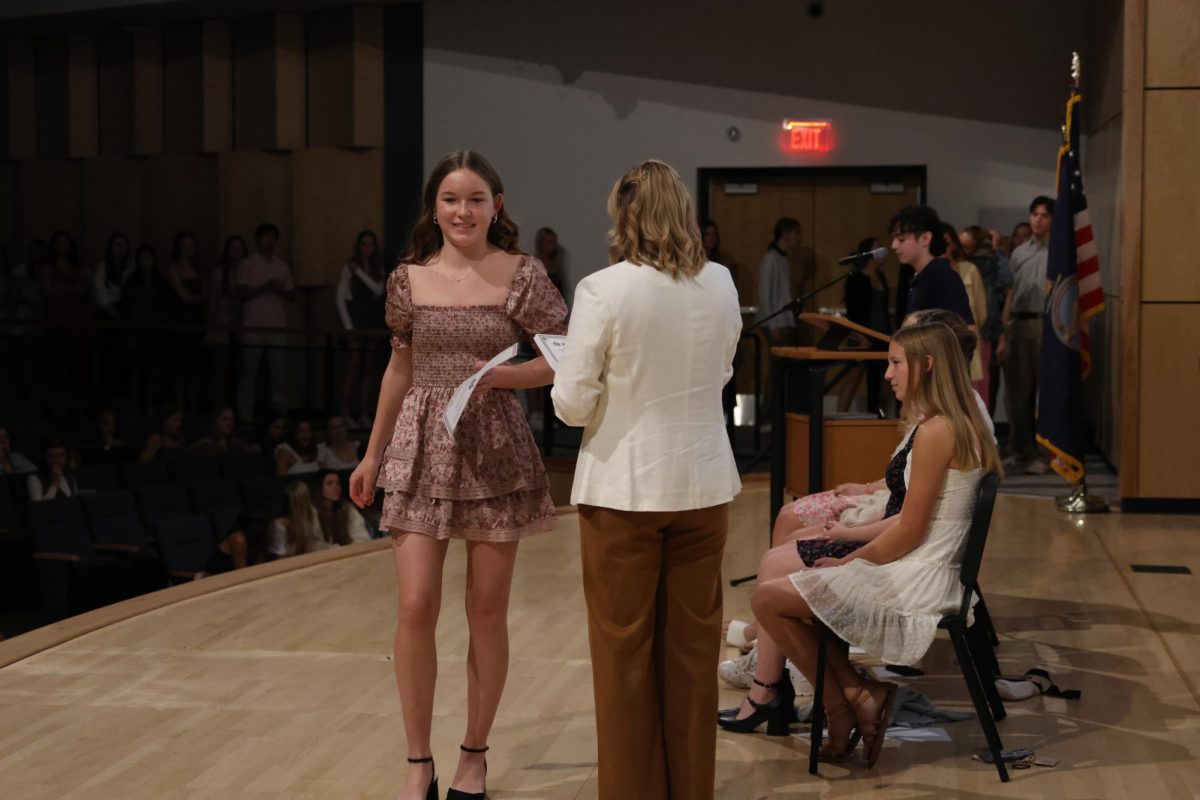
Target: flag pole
{"points": [[1079, 501]]}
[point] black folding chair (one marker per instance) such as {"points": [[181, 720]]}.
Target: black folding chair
{"points": [[187, 546], [73, 576], [971, 645]]}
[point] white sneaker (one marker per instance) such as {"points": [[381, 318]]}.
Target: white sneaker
{"points": [[799, 682], [739, 673]]}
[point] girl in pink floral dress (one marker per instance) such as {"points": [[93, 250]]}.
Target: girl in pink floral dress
{"points": [[463, 294]]}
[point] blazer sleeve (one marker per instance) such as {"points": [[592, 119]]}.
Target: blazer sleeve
{"points": [[577, 383]]}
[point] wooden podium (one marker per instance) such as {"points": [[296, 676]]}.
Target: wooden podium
{"points": [[858, 445]]}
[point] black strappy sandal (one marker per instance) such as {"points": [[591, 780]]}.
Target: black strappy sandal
{"points": [[457, 794], [432, 792]]}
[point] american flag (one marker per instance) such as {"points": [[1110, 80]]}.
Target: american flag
{"points": [[1087, 264], [1073, 295]]}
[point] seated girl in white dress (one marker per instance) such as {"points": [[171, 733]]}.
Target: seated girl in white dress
{"points": [[888, 596]]}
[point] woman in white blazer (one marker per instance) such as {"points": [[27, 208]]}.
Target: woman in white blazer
{"points": [[649, 348]]}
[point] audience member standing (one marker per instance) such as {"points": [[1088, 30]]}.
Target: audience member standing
{"points": [[25, 283], [360, 306], [980, 246], [552, 255], [1020, 345], [976, 296], [710, 237], [775, 281], [1021, 234], [111, 275], [223, 312], [186, 282], [188, 307], [144, 295], [264, 284], [67, 289]]}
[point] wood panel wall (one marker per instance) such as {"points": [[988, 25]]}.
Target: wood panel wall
{"points": [[201, 126], [1160, 309]]}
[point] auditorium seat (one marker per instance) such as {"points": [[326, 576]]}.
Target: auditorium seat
{"points": [[10, 515], [17, 587], [158, 503], [98, 478], [114, 521], [235, 465], [141, 474], [73, 576], [117, 530], [262, 496], [187, 545], [188, 468], [222, 502], [209, 495]]}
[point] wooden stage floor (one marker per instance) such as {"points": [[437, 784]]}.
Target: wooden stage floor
{"points": [[282, 686]]}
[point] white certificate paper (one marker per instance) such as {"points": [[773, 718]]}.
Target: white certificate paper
{"points": [[551, 347], [462, 395]]}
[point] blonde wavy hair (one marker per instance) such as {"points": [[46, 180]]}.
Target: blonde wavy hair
{"points": [[943, 388], [654, 222]]}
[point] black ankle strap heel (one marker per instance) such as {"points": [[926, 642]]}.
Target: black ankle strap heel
{"points": [[777, 713], [456, 794], [432, 792]]}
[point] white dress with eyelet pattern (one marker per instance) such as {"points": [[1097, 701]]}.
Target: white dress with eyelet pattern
{"points": [[892, 610]]}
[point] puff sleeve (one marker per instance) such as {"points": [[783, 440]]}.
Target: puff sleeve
{"points": [[534, 302], [398, 307]]}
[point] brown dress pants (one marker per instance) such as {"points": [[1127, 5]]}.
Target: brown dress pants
{"points": [[652, 581]]}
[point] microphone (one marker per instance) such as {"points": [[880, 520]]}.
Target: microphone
{"points": [[879, 254]]}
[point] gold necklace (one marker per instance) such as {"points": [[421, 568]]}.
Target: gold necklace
{"points": [[451, 278]]}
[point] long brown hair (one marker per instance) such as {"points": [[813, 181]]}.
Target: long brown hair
{"points": [[945, 390], [426, 240], [654, 221], [334, 517]]}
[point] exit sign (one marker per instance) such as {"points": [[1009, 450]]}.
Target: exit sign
{"points": [[807, 135]]}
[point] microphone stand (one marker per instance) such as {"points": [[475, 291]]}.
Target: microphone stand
{"points": [[795, 306]]}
